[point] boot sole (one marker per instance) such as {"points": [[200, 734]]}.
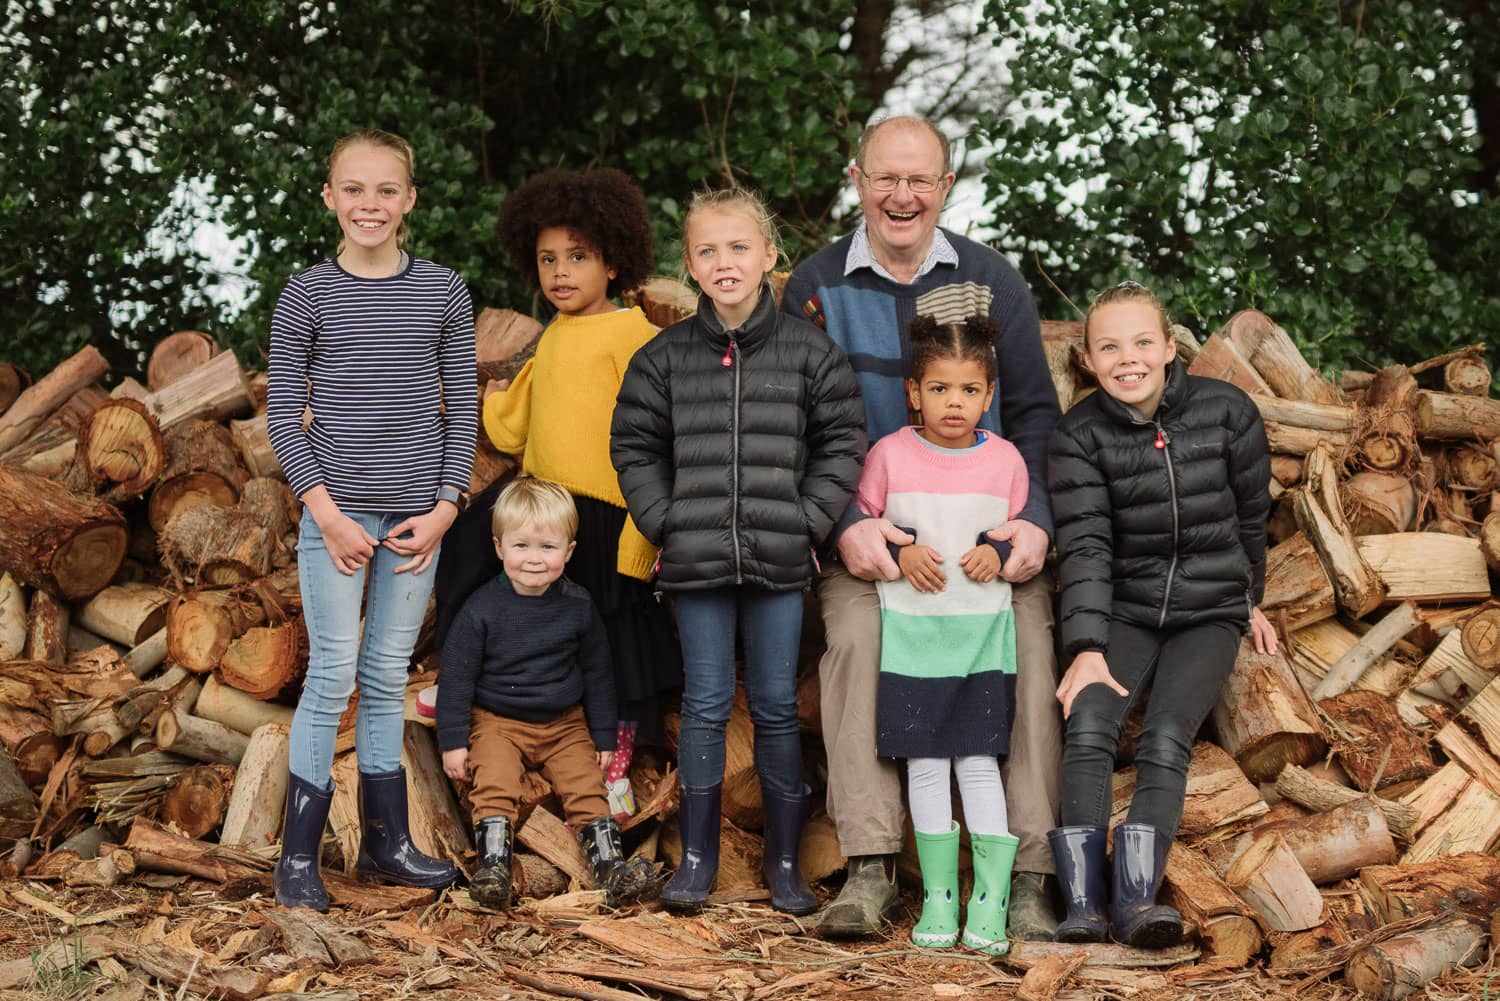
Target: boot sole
{"points": [[437, 883], [1161, 934]]}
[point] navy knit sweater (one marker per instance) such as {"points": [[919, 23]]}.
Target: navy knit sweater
{"points": [[870, 317], [526, 657]]}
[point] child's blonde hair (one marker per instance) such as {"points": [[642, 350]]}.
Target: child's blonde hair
{"points": [[380, 139], [528, 500], [733, 200], [1127, 292]]}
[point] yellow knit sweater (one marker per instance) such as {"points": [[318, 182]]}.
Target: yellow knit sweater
{"points": [[558, 408]]}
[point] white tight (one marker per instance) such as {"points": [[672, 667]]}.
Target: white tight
{"points": [[979, 784]]}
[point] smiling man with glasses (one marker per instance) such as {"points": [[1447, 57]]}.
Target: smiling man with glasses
{"points": [[864, 290]]}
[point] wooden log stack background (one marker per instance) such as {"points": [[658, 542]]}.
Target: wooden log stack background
{"points": [[1343, 808]]}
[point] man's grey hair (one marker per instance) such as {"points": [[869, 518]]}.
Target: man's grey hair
{"points": [[912, 121]]}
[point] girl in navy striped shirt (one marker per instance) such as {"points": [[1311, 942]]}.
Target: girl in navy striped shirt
{"points": [[380, 345]]}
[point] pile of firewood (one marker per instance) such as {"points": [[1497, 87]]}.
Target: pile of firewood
{"points": [[1343, 816]]}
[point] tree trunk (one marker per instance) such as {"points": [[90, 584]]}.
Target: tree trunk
{"points": [[194, 803], [1481, 639], [51, 391], [1489, 537], [62, 543], [1307, 416], [1370, 740], [147, 655], [240, 712], [1389, 443], [1393, 969], [214, 391], [253, 816], [211, 546], [499, 336], [200, 739], [437, 827], [1339, 842], [1220, 359], [1467, 377], [1379, 503], [1470, 467], [266, 660], [1468, 883], [202, 624], [1290, 440], [120, 444], [1452, 417], [13, 381], [178, 354], [1275, 356], [128, 614], [1263, 717], [16, 799], [1268, 877], [202, 467], [1300, 786]]}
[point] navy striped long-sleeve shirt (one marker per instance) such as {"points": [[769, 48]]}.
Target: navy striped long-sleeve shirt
{"points": [[387, 366]]}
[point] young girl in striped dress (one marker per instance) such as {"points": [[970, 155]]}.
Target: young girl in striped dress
{"points": [[947, 639], [380, 345]]}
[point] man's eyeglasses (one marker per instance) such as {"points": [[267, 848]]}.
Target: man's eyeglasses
{"points": [[920, 184]]}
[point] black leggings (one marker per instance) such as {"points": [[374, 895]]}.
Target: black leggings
{"points": [[1185, 669]]}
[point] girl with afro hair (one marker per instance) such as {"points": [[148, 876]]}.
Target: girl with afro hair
{"points": [[581, 238]]}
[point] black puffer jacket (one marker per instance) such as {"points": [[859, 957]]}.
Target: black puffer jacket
{"points": [[738, 450], [1161, 537]]}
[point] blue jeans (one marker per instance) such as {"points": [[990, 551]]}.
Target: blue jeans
{"points": [[772, 629], [337, 657]]}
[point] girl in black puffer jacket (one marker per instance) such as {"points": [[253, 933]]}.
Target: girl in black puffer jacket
{"points": [[1160, 494], [738, 437]]}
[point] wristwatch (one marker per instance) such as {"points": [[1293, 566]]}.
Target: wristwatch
{"points": [[458, 498]]}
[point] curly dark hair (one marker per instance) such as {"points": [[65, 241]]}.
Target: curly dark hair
{"points": [[971, 340], [603, 207]]}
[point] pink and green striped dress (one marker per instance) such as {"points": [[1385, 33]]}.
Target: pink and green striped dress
{"points": [[947, 660]]}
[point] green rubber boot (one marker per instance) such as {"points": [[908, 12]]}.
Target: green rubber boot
{"points": [[994, 855], [938, 926]]}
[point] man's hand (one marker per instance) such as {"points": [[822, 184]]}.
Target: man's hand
{"points": [[456, 764], [981, 563], [919, 565], [1262, 632], [605, 758], [1088, 668], [1028, 549], [862, 548]]}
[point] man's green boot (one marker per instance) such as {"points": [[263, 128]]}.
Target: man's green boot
{"points": [[938, 855], [984, 929]]}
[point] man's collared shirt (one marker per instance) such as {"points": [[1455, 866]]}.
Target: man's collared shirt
{"points": [[860, 255]]}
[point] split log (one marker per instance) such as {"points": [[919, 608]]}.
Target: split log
{"points": [[1473, 736], [136, 705], [202, 624], [1469, 467], [1059, 354], [1374, 645], [200, 739], [1313, 649], [1306, 950], [253, 440], [1379, 503], [1286, 469], [1489, 537], [544, 834], [266, 660], [178, 354], [125, 613], [147, 655], [16, 725], [47, 629], [1481, 639], [214, 391], [1390, 442], [1373, 743], [1320, 515], [1268, 877], [253, 816], [819, 855], [1221, 359], [538, 877], [1468, 883], [16, 799], [1300, 786], [372, 898], [1458, 813], [121, 445], [48, 393], [664, 300], [1393, 969], [202, 467], [1263, 717], [1276, 357], [49, 450], [191, 972], [13, 381], [1452, 417], [1218, 794], [35, 756], [1428, 567], [12, 619], [1467, 377], [55, 540], [271, 502], [1447, 677], [437, 826], [1299, 591], [240, 712], [158, 850], [195, 801], [211, 546], [300, 941], [1224, 923], [104, 870], [1291, 440]]}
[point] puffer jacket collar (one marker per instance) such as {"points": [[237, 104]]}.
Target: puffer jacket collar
{"points": [[1171, 399], [759, 328]]}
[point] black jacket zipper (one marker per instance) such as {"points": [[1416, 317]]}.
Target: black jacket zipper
{"points": [[1162, 442]]}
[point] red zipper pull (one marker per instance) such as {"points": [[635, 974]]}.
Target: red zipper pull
{"points": [[1159, 442], [728, 359]]}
